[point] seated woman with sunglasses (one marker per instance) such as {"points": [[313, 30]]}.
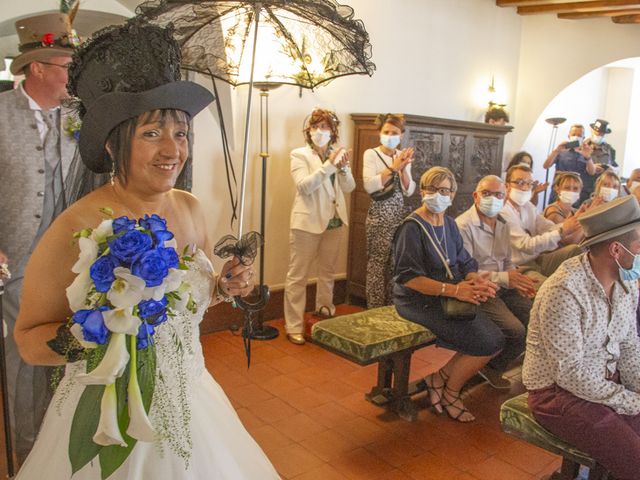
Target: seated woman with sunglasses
{"points": [[431, 268]]}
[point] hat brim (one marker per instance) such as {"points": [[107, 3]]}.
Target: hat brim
{"points": [[111, 109], [601, 237], [37, 55], [593, 127]]}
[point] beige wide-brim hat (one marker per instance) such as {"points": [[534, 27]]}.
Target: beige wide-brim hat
{"points": [[610, 220], [43, 37]]}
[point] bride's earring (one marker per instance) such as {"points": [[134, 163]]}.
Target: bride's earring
{"points": [[112, 174]]}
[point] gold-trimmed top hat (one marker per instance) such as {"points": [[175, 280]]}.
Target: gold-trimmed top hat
{"points": [[610, 220], [42, 37], [601, 126]]}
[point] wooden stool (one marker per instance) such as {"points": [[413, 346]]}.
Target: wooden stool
{"points": [[517, 420], [378, 335]]}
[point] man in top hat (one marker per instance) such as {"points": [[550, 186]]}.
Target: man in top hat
{"points": [[604, 155], [35, 154], [582, 362]]}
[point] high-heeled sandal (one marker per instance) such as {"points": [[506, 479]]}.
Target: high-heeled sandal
{"points": [[432, 390], [448, 405]]}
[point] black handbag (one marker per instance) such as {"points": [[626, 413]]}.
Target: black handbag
{"points": [[388, 189], [452, 308]]}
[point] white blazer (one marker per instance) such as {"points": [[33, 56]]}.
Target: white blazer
{"points": [[317, 200]]}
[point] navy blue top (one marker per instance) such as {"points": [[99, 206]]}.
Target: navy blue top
{"points": [[414, 256], [572, 161]]}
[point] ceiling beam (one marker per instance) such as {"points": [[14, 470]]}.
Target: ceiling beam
{"points": [[626, 19], [569, 7], [599, 13], [520, 3]]}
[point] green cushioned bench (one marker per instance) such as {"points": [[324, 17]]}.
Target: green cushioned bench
{"points": [[378, 335], [517, 420]]}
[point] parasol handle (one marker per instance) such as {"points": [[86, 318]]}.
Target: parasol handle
{"points": [[247, 125]]}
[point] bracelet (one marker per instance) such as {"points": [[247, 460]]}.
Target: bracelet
{"points": [[444, 286]]}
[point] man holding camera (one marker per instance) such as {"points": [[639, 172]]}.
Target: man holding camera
{"points": [[575, 155]]}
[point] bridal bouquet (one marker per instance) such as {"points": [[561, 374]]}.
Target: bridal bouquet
{"points": [[129, 281]]}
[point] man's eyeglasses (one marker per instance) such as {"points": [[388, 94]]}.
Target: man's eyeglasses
{"points": [[489, 193], [441, 190], [65, 66], [523, 183]]}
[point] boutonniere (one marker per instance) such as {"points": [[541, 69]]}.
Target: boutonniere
{"points": [[72, 127]]}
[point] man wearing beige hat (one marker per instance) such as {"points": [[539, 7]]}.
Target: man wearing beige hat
{"points": [[582, 363], [36, 150]]}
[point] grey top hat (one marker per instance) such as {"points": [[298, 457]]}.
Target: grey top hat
{"points": [[42, 37], [610, 220]]}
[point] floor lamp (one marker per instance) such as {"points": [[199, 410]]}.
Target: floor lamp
{"points": [[554, 121], [262, 331]]}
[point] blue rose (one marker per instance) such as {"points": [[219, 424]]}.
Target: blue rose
{"points": [[170, 256], [130, 245], [151, 267], [123, 224], [145, 335], [154, 312], [93, 327], [101, 272], [158, 228]]}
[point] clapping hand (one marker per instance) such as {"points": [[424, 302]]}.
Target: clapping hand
{"points": [[236, 279], [538, 187], [402, 159], [523, 284]]}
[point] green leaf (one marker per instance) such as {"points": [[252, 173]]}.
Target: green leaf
{"points": [[85, 423], [113, 456]]}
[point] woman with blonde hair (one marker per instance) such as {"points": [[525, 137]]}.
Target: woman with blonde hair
{"points": [[436, 284], [567, 186], [386, 173]]}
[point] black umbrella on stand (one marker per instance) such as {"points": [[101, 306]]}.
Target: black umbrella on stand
{"points": [[263, 43]]}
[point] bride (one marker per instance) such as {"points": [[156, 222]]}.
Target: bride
{"points": [[136, 115]]}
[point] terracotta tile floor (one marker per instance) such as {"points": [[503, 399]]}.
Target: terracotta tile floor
{"points": [[306, 408]]}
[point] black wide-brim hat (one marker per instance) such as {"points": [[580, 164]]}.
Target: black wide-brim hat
{"points": [[122, 72], [110, 110], [600, 126]]}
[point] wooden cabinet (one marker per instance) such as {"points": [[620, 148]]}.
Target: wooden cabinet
{"points": [[470, 150]]}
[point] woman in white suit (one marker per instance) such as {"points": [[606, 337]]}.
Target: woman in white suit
{"points": [[321, 174]]}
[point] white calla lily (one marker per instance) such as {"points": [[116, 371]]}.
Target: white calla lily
{"points": [[126, 290], [102, 231], [139, 424], [108, 432], [78, 291], [171, 282], [112, 365], [88, 255], [76, 331], [121, 320]]}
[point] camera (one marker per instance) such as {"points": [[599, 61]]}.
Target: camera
{"points": [[574, 144]]}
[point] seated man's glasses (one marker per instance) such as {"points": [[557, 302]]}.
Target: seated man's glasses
{"points": [[523, 184], [441, 190], [489, 193], [65, 66]]}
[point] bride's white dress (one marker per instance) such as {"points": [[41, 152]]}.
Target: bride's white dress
{"points": [[205, 440]]}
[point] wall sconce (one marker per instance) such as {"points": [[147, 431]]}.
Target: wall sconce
{"points": [[496, 112]]}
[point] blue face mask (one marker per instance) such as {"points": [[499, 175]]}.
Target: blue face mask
{"points": [[490, 206], [390, 141], [633, 273], [436, 203]]}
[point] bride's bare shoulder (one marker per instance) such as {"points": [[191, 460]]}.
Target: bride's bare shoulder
{"points": [[85, 213]]}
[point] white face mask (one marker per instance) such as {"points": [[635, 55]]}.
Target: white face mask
{"points": [[491, 206], [520, 197], [568, 197], [436, 203], [597, 139], [633, 186], [608, 194], [320, 138], [390, 141], [575, 138]]}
